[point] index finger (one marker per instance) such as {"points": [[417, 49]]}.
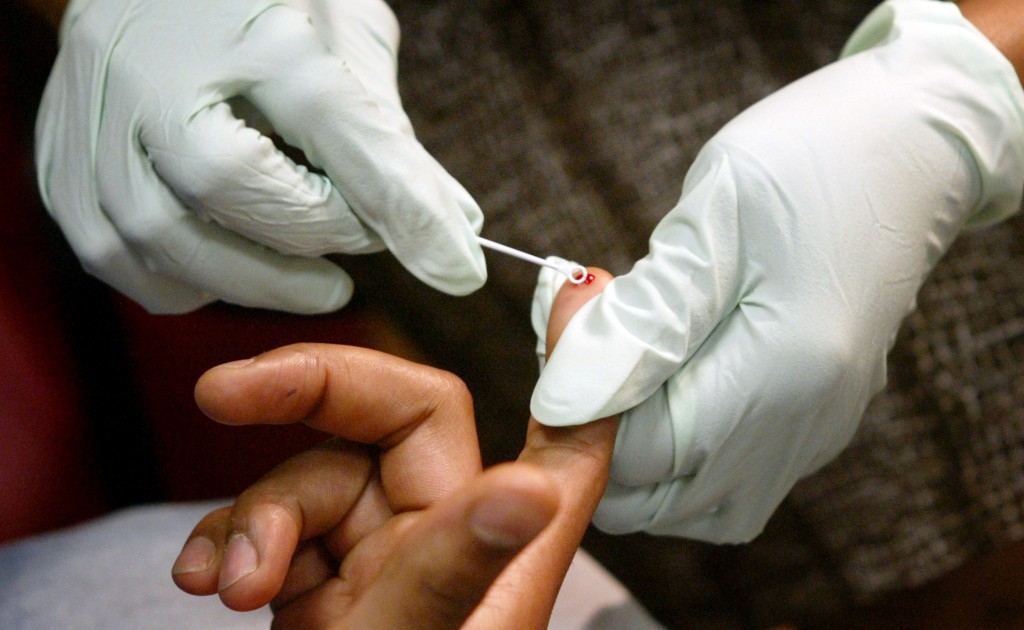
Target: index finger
{"points": [[419, 416], [577, 460], [624, 345]]}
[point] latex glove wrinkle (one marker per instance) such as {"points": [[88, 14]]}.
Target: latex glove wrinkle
{"points": [[748, 343], [164, 193]]}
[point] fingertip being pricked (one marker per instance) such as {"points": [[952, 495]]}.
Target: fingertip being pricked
{"points": [[570, 298]]}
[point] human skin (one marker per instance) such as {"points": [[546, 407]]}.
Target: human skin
{"points": [[393, 499], [1002, 21]]}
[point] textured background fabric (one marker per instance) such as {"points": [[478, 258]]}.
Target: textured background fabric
{"points": [[573, 124]]}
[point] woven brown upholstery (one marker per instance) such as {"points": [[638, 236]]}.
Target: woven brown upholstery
{"points": [[573, 124]]}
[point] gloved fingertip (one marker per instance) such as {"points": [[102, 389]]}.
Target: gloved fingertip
{"points": [[553, 412], [337, 295], [176, 303], [323, 288], [340, 297], [472, 278], [458, 276]]}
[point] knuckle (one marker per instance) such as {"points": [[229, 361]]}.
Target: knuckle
{"points": [[559, 440], [442, 400], [449, 387], [442, 390]]}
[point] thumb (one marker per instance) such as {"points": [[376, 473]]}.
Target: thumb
{"points": [[444, 564], [623, 345]]}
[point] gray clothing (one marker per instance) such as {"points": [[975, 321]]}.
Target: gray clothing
{"points": [[115, 572]]}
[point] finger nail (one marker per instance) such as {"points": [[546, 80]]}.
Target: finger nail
{"points": [[507, 522], [240, 560], [196, 555], [237, 364]]}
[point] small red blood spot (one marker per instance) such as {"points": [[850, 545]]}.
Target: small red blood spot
{"points": [[590, 278]]}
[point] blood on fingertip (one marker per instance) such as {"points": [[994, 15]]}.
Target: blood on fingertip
{"points": [[581, 277]]}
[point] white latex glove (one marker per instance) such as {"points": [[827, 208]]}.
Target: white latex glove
{"points": [[138, 149], [749, 341]]}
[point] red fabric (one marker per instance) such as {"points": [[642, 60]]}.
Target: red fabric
{"points": [[47, 476], [196, 457]]}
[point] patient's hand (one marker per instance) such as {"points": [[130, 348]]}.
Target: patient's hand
{"points": [[391, 523]]}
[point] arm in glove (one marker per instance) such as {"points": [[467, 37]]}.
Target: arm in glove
{"points": [[748, 342], [165, 193]]}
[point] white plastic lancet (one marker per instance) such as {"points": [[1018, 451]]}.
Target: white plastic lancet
{"points": [[576, 274]]}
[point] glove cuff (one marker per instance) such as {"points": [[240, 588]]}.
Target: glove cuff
{"points": [[989, 98]]}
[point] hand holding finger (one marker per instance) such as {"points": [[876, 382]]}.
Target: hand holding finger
{"points": [[456, 547]]}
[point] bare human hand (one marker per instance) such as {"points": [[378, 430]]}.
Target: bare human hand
{"points": [[391, 524]]}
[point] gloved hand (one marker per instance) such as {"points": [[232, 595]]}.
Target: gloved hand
{"points": [[748, 342], [165, 194]]}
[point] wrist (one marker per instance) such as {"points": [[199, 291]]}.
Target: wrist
{"points": [[972, 89]]}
